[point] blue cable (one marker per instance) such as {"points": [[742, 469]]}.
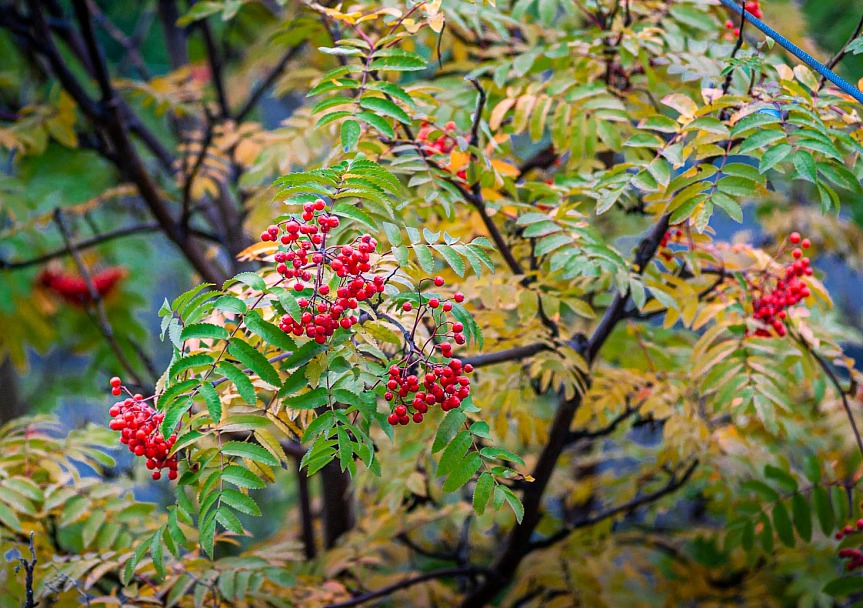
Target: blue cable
{"points": [[797, 52]]}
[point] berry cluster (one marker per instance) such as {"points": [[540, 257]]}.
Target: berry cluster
{"points": [[673, 236], [442, 145], [302, 258], [138, 424], [73, 288], [854, 556], [770, 308], [442, 382], [750, 7]]}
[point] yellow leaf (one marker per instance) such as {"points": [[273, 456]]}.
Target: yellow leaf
{"points": [[458, 160], [504, 168], [681, 103]]}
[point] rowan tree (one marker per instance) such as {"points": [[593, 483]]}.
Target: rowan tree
{"points": [[477, 280]]}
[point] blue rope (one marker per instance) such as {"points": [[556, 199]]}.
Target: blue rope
{"points": [[797, 52]]}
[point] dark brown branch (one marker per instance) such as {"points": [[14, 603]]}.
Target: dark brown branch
{"points": [[29, 566], [81, 246], [266, 83], [606, 430], [673, 484], [100, 317], [449, 556], [109, 116], [516, 353], [543, 159], [843, 51], [130, 45], [833, 379], [215, 62], [306, 518], [469, 571], [175, 36], [518, 544]]}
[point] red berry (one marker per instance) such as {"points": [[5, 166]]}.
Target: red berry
{"points": [[116, 391], [797, 253], [407, 307], [458, 297], [115, 382], [794, 238], [434, 303], [805, 243], [438, 281]]}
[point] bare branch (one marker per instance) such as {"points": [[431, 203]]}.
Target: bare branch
{"points": [[469, 571], [516, 353], [266, 83], [843, 51], [673, 484], [101, 317], [215, 61]]}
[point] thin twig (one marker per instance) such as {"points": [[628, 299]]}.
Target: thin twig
{"points": [[266, 83], [842, 394], [843, 51], [101, 316], [470, 571]]}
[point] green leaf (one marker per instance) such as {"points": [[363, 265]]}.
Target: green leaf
{"points": [[245, 388], [464, 473], [268, 332], [774, 156], [255, 361], [782, 523], [452, 258], [805, 165], [424, 258], [249, 279], [500, 454], [9, 518], [240, 502], [157, 552], [355, 213], [514, 503], [230, 304], [448, 428], [185, 363], [786, 480], [229, 520], [377, 122], [846, 585], [242, 477], [802, 517], [823, 510], [205, 331], [250, 451], [214, 404], [129, 569], [404, 63], [350, 134], [482, 492], [307, 401], [454, 453], [293, 383], [174, 413], [385, 107]]}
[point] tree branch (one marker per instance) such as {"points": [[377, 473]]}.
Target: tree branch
{"points": [[266, 83], [843, 51], [92, 242], [470, 571], [518, 544], [673, 484], [101, 317], [215, 62], [516, 353]]}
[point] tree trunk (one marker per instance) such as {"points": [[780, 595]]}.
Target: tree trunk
{"points": [[11, 404], [337, 503]]}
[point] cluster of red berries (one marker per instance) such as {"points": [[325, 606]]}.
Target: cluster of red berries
{"points": [[750, 7], [673, 236], [442, 145], [443, 383], [138, 424], [446, 385], [854, 556], [302, 257], [73, 288], [770, 308]]}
